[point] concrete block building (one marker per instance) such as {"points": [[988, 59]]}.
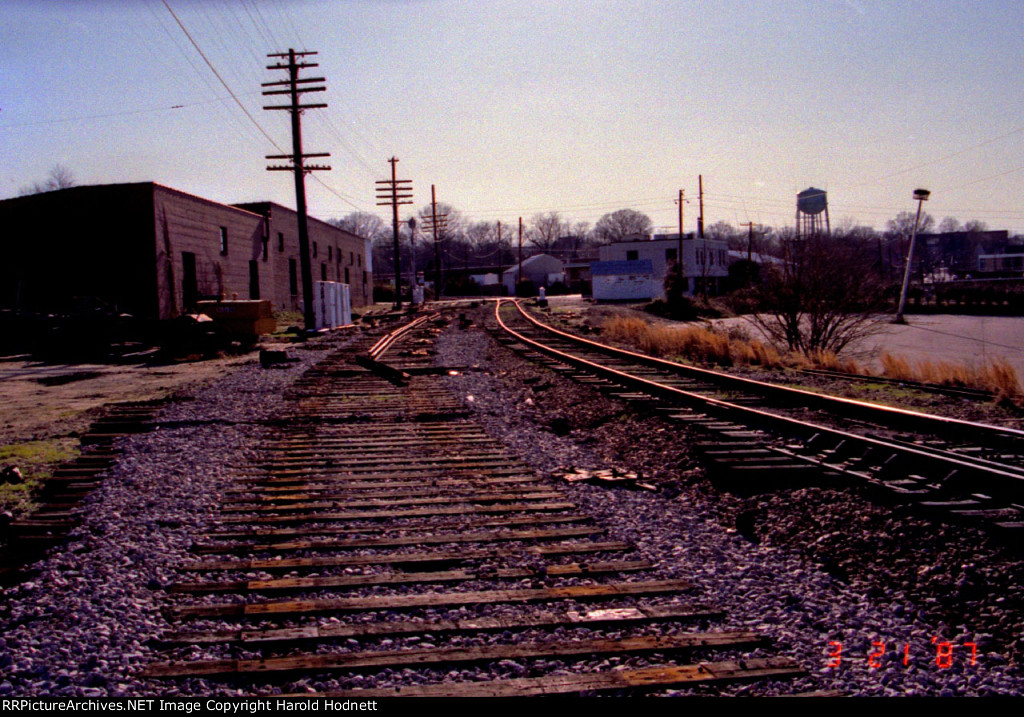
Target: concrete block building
{"points": [[153, 251], [705, 261]]}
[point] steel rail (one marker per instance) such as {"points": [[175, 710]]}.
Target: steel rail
{"points": [[1006, 475], [762, 387], [386, 341]]}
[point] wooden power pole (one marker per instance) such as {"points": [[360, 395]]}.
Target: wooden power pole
{"points": [[436, 224], [293, 87], [700, 217], [395, 191], [679, 259]]}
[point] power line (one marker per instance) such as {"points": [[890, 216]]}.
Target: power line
{"points": [[214, 71], [107, 115]]}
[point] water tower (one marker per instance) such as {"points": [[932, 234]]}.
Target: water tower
{"points": [[811, 208]]}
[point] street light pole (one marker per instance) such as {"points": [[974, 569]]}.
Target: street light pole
{"points": [[921, 195]]}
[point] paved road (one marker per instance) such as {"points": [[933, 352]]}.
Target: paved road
{"points": [[942, 337]]}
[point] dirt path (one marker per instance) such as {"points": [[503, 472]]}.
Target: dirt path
{"points": [[43, 400]]}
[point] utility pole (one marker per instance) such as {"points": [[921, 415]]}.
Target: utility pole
{"points": [[294, 86], [519, 278], [679, 259], [700, 218], [412, 256], [436, 224], [395, 192], [499, 250], [750, 237]]}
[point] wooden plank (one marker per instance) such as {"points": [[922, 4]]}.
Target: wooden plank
{"points": [[544, 619], [645, 678], [433, 499], [246, 474], [407, 526], [430, 539], [419, 657], [403, 578], [272, 609], [370, 484], [393, 463], [406, 513], [440, 557]]}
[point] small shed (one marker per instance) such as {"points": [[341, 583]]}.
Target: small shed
{"points": [[541, 269]]}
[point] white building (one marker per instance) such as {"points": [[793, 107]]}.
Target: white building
{"points": [[705, 261], [541, 269]]}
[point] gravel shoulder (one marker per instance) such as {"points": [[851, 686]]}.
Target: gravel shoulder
{"points": [[822, 566], [818, 567], [81, 624]]}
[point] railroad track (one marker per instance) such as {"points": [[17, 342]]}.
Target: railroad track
{"points": [[382, 544], [60, 496], [973, 394], [758, 436]]}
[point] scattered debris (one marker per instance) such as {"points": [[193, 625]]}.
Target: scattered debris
{"points": [[270, 358], [606, 477], [11, 475]]}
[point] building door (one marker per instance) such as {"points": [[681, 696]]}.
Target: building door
{"points": [[189, 284], [254, 279]]}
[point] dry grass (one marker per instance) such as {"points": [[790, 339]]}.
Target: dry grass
{"points": [[712, 346], [696, 343], [997, 375]]}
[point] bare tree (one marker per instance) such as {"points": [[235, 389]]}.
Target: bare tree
{"points": [[975, 225], [724, 231], [578, 236], [59, 177], [619, 225], [902, 225], [363, 224], [823, 296], [545, 229], [950, 224]]}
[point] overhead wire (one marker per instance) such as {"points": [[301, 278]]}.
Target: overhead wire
{"points": [[220, 78]]}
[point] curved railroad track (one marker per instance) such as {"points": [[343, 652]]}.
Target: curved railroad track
{"points": [[758, 435], [382, 544]]}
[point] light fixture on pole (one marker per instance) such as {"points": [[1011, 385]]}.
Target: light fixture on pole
{"points": [[921, 195]]}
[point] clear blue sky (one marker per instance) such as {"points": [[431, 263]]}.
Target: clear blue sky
{"points": [[512, 108]]}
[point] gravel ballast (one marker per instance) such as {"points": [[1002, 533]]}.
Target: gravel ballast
{"points": [[80, 624], [818, 567], [826, 566]]}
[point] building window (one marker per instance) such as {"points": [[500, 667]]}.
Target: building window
{"points": [[337, 253], [280, 241], [670, 254], [330, 253], [293, 277], [632, 255], [223, 241], [346, 275], [323, 272], [360, 261]]}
